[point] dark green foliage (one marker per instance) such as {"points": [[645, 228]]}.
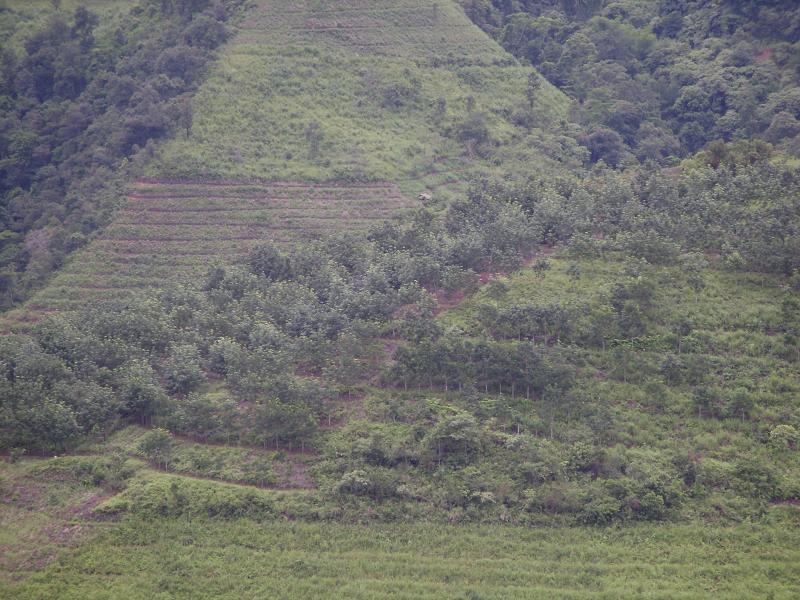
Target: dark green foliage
{"points": [[650, 77], [604, 144], [268, 261], [141, 396], [182, 370], [74, 106]]}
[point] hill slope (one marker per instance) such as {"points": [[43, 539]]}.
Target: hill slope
{"points": [[172, 232], [332, 93], [402, 91], [539, 346]]}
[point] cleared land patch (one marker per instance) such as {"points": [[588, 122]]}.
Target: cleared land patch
{"points": [[423, 31], [397, 91]]}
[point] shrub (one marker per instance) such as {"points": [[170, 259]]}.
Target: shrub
{"points": [[398, 95], [268, 261], [156, 446], [599, 508], [755, 478], [171, 496], [556, 497], [474, 129], [784, 437], [356, 483], [182, 369], [714, 473]]}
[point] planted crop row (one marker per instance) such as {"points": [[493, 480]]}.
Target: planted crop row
{"points": [[173, 232], [421, 30]]}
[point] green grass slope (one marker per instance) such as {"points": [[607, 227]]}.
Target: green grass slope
{"points": [[380, 90], [246, 559]]}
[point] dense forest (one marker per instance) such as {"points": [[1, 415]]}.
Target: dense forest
{"points": [[79, 107], [589, 316], [656, 81]]}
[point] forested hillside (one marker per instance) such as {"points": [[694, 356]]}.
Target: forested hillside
{"points": [[84, 90], [654, 81], [489, 266]]}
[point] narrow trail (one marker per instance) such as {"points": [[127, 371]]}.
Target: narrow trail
{"points": [[298, 475]]}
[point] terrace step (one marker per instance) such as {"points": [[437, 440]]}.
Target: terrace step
{"points": [[186, 225]]}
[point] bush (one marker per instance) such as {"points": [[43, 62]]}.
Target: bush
{"points": [[156, 446], [166, 495], [474, 129], [553, 498], [398, 95], [783, 437], [223, 354], [268, 261], [356, 483], [755, 478], [599, 508], [713, 473], [182, 370]]}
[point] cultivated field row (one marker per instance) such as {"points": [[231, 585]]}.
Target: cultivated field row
{"points": [[172, 232], [408, 28]]}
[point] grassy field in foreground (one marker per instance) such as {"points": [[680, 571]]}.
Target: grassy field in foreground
{"points": [[245, 559]]}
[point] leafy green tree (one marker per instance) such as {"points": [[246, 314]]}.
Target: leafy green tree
{"points": [[139, 391], [182, 371], [203, 417], [268, 261], [420, 324], [291, 423], [224, 355], [156, 446], [604, 144], [47, 425], [454, 438]]}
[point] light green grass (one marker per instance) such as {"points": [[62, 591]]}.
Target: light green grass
{"points": [[41, 503], [245, 559], [740, 311], [331, 63], [231, 463]]}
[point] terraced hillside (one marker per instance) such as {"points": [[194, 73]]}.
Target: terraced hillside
{"points": [[422, 31], [407, 91], [323, 93], [171, 231]]}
